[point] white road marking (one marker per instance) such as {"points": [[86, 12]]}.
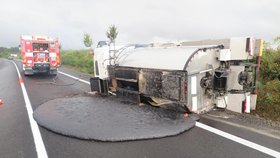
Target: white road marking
{"points": [[217, 131], [39, 145], [239, 140], [78, 79], [260, 131]]}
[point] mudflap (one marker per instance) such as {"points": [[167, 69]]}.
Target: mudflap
{"points": [[99, 85]]}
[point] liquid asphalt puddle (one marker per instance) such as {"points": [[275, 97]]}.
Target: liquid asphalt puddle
{"points": [[104, 119]]}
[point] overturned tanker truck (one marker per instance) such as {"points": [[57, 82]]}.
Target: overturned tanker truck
{"points": [[193, 76]]}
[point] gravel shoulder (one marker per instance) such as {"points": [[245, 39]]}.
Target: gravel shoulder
{"points": [[247, 121]]}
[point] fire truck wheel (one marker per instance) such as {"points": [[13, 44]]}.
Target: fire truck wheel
{"points": [[53, 73], [27, 73], [24, 72]]}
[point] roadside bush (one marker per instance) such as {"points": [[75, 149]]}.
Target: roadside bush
{"points": [[81, 60], [270, 65], [4, 54], [268, 103]]}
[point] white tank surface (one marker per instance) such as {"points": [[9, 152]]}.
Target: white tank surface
{"points": [[190, 58], [157, 58]]}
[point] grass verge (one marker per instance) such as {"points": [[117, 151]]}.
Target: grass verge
{"points": [[79, 60], [268, 103]]}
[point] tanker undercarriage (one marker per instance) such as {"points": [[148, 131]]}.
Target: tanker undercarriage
{"points": [[149, 86]]}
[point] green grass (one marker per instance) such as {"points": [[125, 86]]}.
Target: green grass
{"points": [[80, 60], [4, 54]]}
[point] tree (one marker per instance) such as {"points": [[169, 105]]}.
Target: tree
{"points": [[112, 33], [87, 40], [276, 41]]}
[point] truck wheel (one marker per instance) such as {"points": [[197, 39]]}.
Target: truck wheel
{"points": [[27, 73], [53, 72], [24, 73]]}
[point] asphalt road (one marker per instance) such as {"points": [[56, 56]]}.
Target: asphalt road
{"points": [[16, 139]]}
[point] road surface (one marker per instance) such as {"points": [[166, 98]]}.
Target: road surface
{"points": [[17, 136]]}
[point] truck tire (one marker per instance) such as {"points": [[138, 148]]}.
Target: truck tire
{"points": [[53, 72], [24, 73], [28, 72]]}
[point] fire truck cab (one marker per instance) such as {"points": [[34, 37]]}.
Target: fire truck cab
{"points": [[40, 54]]}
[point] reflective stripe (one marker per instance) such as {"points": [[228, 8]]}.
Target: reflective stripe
{"points": [[52, 54], [261, 47], [194, 103], [248, 104], [193, 85], [29, 54]]}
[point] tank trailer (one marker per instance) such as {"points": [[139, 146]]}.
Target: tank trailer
{"points": [[192, 76]]}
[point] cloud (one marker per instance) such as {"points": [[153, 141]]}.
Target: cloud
{"points": [[138, 21]]}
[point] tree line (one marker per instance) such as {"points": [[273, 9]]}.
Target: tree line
{"points": [[5, 52]]}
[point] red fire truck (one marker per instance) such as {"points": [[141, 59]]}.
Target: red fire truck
{"points": [[40, 54]]}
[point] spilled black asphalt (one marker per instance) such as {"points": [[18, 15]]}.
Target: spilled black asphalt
{"points": [[109, 119]]}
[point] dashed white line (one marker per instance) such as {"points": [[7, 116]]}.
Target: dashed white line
{"points": [[39, 145], [217, 131], [239, 140]]}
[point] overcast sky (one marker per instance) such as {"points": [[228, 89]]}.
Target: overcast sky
{"points": [[141, 21]]}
